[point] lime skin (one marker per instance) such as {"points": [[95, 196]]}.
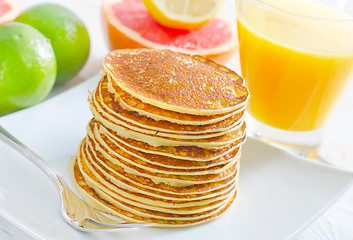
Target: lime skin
{"points": [[27, 67], [67, 33]]}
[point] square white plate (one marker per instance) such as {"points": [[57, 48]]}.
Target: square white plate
{"points": [[279, 194]]}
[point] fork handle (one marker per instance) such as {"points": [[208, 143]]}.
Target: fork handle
{"points": [[16, 144]]}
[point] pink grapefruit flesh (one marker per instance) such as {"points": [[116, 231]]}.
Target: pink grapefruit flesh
{"points": [[129, 25]]}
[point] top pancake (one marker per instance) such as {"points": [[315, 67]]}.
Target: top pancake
{"points": [[176, 81]]}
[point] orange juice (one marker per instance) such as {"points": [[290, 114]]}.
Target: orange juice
{"points": [[296, 67]]}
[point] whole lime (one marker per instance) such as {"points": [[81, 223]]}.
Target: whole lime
{"points": [[67, 33], [27, 67]]}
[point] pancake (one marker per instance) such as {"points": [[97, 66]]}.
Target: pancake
{"points": [[157, 177], [115, 121], [184, 119], [164, 142], [92, 177], [105, 109], [181, 194], [132, 104], [213, 142], [126, 180], [187, 84], [113, 150], [158, 160], [180, 152], [94, 199]]}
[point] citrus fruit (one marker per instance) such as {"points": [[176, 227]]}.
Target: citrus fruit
{"points": [[191, 14], [67, 34], [9, 9], [128, 24], [28, 67]]}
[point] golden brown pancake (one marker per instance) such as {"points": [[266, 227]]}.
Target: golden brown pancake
{"points": [[116, 121], [180, 152], [155, 140], [107, 108], [158, 176], [133, 104], [90, 166], [92, 176], [156, 162], [98, 199], [176, 82], [165, 162]]}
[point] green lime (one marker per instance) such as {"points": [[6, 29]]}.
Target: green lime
{"points": [[67, 33], [27, 67]]}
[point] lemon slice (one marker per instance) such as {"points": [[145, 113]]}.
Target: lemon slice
{"points": [[183, 14]]}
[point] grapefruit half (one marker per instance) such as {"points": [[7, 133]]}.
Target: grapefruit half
{"points": [[9, 9], [128, 24]]}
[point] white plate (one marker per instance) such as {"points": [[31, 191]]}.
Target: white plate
{"points": [[279, 194]]}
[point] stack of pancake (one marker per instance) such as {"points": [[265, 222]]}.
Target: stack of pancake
{"points": [[164, 143]]}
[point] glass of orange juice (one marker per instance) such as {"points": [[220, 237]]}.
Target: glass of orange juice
{"points": [[296, 57]]}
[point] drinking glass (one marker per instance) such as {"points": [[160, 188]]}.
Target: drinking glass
{"points": [[296, 57]]}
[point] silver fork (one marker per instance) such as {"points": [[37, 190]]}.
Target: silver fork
{"points": [[75, 211]]}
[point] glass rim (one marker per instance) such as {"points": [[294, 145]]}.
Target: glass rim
{"points": [[262, 3]]}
